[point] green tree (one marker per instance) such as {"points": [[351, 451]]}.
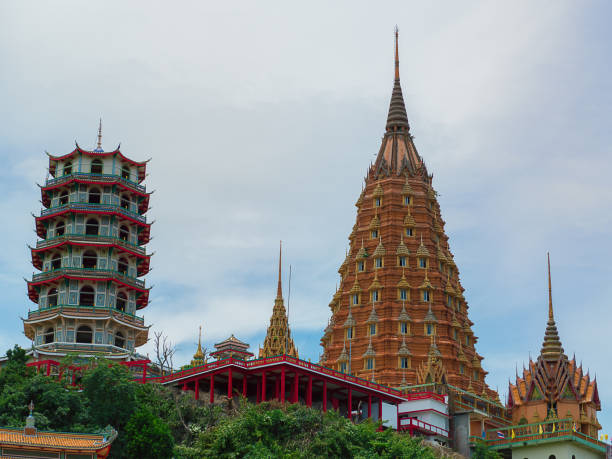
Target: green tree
{"points": [[482, 452], [148, 436]]}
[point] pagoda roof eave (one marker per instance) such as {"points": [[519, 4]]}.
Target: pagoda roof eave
{"points": [[118, 181], [82, 151], [93, 211]]}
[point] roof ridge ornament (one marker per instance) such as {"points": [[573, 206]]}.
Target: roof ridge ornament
{"points": [[99, 144]]}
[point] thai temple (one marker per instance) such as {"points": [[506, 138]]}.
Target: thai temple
{"points": [[91, 256]]}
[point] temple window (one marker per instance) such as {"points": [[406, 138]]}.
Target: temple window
{"points": [[92, 227], [121, 301], [56, 261], [404, 328], [422, 262], [52, 298], [94, 196], [372, 329], [467, 340], [429, 329], [369, 363], [403, 293], [84, 334], [124, 233], [86, 296], [377, 202], [125, 202], [375, 296], [409, 232], [49, 335], [96, 166], [90, 259], [378, 262], [455, 334], [440, 266], [406, 200], [119, 339], [461, 368], [350, 332], [63, 198], [342, 367], [374, 234], [449, 301], [125, 172], [60, 229], [426, 295], [404, 362], [355, 298], [68, 168], [122, 266], [401, 261], [475, 375]]}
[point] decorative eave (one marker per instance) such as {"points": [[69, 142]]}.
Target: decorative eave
{"points": [[362, 253], [403, 283], [402, 250], [403, 316], [380, 250], [355, 288], [409, 220], [430, 317], [426, 284], [369, 351], [407, 189], [349, 322], [374, 223], [343, 357], [360, 200], [422, 250], [403, 351], [378, 191], [375, 285], [373, 317]]}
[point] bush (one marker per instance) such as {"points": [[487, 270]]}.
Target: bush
{"points": [[148, 436]]}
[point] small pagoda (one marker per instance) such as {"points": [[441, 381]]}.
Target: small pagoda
{"points": [[399, 316], [231, 348], [91, 256], [555, 387], [278, 339]]}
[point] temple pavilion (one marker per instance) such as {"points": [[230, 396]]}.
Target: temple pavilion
{"points": [[91, 256], [399, 316]]}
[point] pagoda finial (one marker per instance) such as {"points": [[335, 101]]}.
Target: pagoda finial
{"points": [[552, 350], [99, 146], [396, 53], [550, 305], [279, 290], [397, 119]]}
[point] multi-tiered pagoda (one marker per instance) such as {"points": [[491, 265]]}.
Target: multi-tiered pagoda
{"points": [[399, 316], [91, 256]]}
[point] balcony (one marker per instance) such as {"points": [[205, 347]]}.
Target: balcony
{"points": [[87, 207], [89, 273], [91, 311], [102, 178], [85, 238]]}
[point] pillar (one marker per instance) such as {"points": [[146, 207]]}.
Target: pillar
{"points": [[296, 387], [277, 388], [324, 396], [369, 406], [282, 385], [263, 386], [309, 391], [258, 392], [380, 414], [197, 389], [229, 383], [350, 403], [144, 365], [212, 388], [244, 385], [184, 386]]}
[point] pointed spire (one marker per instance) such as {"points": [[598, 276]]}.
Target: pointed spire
{"points": [[397, 120], [279, 289], [99, 145], [552, 350]]}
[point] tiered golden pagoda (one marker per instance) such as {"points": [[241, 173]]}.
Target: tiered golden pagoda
{"points": [[399, 266], [278, 339], [554, 387], [199, 358]]}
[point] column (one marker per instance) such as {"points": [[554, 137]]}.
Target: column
{"points": [[277, 388], [212, 388], [258, 392], [369, 406], [282, 388], [144, 365], [380, 414], [309, 391], [263, 386], [296, 387], [324, 395], [350, 403], [184, 386], [244, 385], [229, 383], [197, 389]]}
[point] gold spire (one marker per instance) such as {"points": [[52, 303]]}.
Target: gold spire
{"points": [[278, 339], [198, 357], [552, 350]]}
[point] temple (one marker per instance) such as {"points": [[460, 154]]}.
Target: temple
{"points": [[278, 339], [399, 316], [199, 358], [91, 255]]}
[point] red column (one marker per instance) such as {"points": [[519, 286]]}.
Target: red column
{"points": [[369, 405], [380, 414], [244, 385], [197, 389], [258, 392], [335, 403], [309, 391], [350, 403], [212, 388], [48, 368], [184, 386], [229, 383], [282, 388], [324, 396], [296, 387], [263, 386], [277, 388], [144, 373]]}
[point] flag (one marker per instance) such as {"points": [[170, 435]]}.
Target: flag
{"points": [[540, 429], [554, 428], [513, 435], [574, 427], [500, 434]]}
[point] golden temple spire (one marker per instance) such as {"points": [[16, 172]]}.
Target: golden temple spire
{"points": [[279, 289], [199, 357], [552, 350]]}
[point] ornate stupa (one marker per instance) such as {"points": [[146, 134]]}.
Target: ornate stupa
{"points": [[199, 358], [400, 266], [555, 387], [278, 339], [91, 256]]}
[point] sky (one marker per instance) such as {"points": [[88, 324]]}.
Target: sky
{"points": [[261, 119]]}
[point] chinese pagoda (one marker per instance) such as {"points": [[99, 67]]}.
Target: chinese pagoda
{"points": [[399, 316], [91, 257]]}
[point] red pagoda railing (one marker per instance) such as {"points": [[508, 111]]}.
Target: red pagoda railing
{"points": [[98, 177], [89, 273], [67, 308], [84, 206], [50, 242]]}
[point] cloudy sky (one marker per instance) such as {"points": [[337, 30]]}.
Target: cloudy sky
{"points": [[261, 119]]}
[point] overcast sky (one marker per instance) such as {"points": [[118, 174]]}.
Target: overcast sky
{"points": [[261, 119]]}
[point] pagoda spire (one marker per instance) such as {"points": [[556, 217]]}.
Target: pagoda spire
{"points": [[552, 350], [397, 119], [99, 145], [279, 288], [199, 357]]}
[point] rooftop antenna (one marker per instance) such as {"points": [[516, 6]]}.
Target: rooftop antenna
{"points": [[99, 146]]}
